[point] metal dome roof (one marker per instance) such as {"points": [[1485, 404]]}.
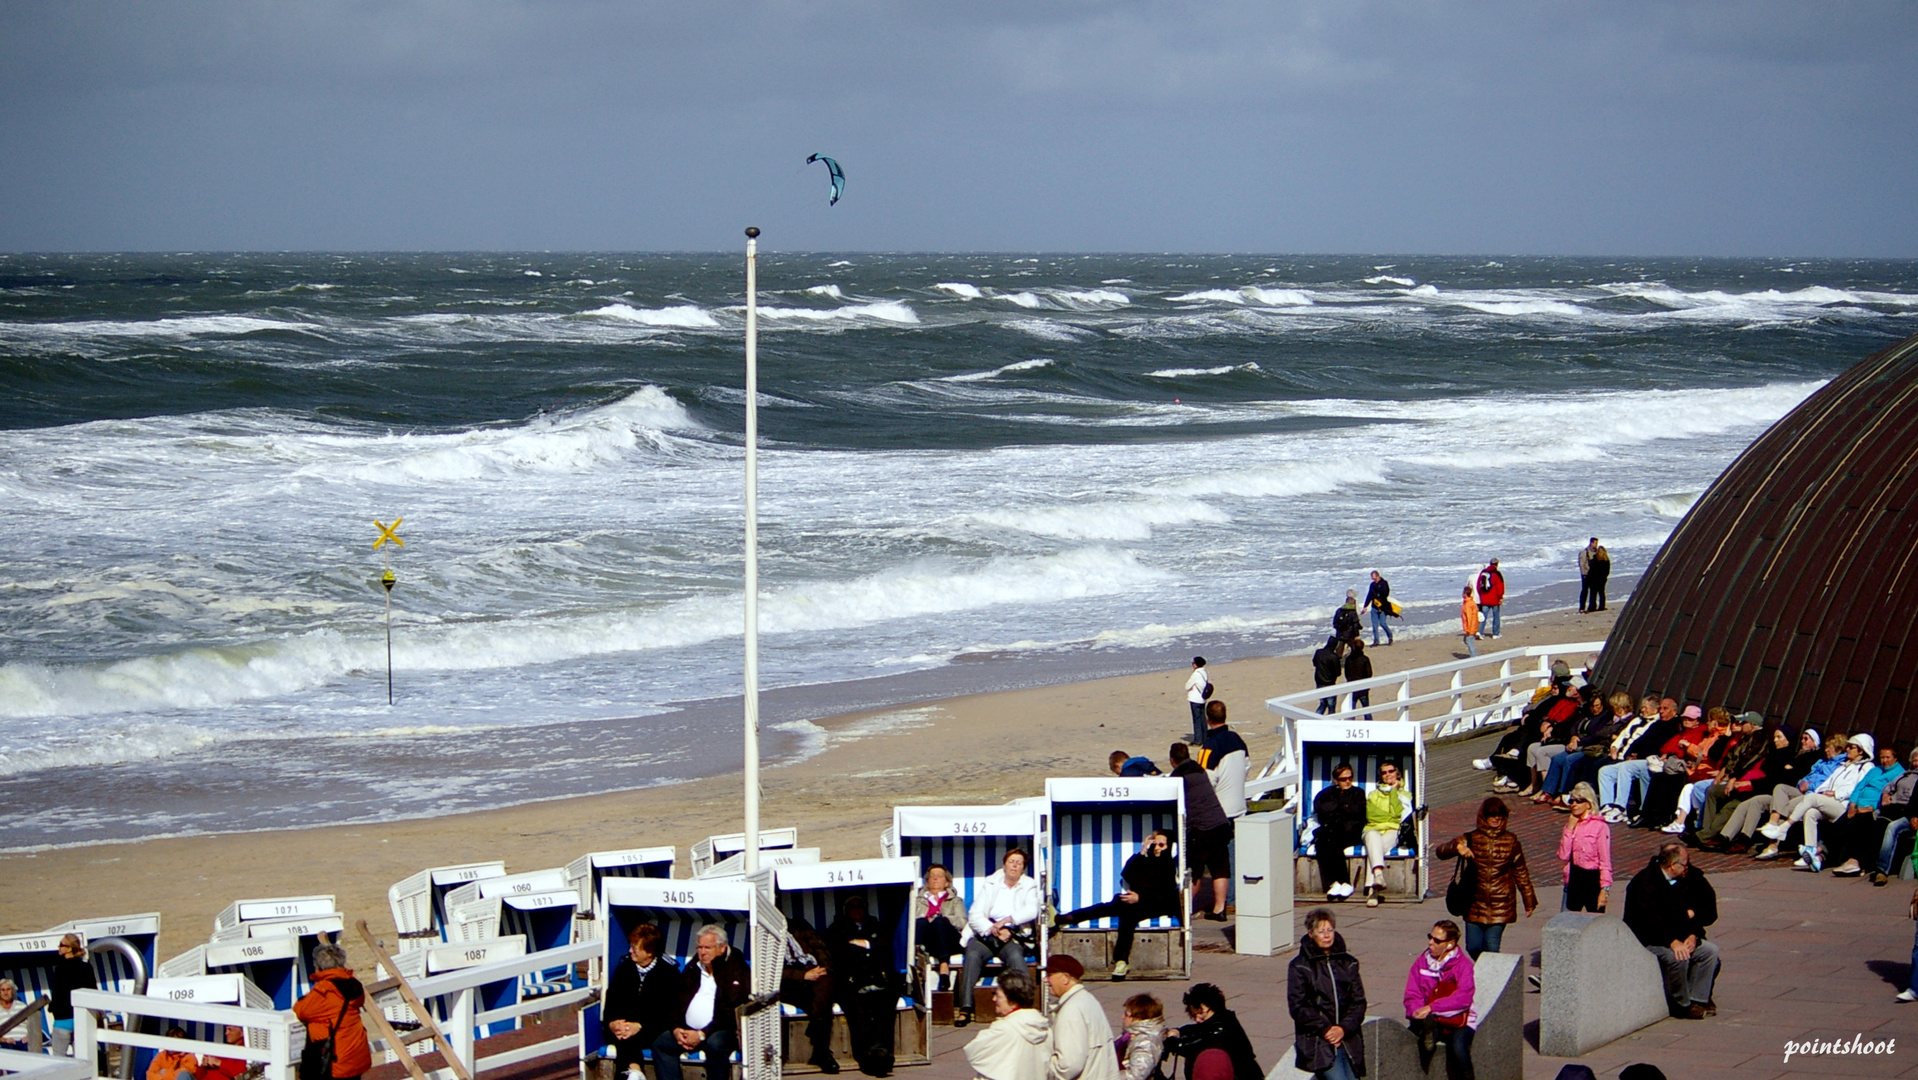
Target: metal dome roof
{"points": [[1791, 586]]}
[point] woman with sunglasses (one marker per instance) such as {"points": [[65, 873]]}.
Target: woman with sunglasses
{"points": [[1148, 889], [1438, 1000]]}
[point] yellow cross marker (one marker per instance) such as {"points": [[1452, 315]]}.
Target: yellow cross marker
{"points": [[389, 532]]}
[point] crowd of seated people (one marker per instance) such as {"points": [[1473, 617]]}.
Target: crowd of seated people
{"points": [[1721, 782]]}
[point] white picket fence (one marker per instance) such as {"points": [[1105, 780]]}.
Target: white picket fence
{"points": [[1434, 696], [31, 1066], [457, 994], [284, 1034], [452, 995]]}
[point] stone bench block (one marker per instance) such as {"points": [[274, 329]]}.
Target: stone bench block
{"points": [[1597, 984]]}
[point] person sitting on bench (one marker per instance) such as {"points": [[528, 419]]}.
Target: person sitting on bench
{"points": [[1149, 889], [1003, 918]]}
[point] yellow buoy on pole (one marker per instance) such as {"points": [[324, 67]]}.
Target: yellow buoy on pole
{"points": [[392, 533]]}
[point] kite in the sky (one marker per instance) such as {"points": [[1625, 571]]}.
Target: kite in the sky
{"points": [[837, 174]]}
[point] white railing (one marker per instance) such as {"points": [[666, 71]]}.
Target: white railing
{"points": [[32, 1066], [285, 1035], [456, 994], [1441, 712]]}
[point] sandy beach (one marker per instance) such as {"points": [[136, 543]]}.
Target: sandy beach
{"points": [[983, 748]]}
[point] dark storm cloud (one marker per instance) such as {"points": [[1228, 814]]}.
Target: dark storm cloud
{"points": [[1728, 128]]}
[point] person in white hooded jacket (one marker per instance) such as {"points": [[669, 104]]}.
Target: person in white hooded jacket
{"points": [[1001, 921], [1015, 1046]]}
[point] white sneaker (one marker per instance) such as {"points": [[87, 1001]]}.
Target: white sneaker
{"points": [[1774, 832], [1675, 827], [1613, 815], [1482, 764], [1906, 996]]}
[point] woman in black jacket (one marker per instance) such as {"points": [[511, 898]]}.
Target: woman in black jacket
{"points": [[1327, 1001], [642, 998], [1340, 810], [1215, 1027], [1149, 889]]}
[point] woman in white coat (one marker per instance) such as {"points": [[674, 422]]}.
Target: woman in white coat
{"points": [[1002, 921], [1015, 1047]]}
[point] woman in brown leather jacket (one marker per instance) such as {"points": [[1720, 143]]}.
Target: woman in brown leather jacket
{"points": [[1499, 875]]}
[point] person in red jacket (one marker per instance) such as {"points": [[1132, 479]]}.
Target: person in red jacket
{"points": [[332, 1010], [1491, 597], [219, 1068]]}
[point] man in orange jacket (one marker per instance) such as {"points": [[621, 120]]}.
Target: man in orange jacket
{"points": [[332, 1010]]}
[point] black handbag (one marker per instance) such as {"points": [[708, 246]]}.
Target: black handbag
{"points": [[1458, 895]]}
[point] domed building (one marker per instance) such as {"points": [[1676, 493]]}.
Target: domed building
{"points": [[1791, 587]]}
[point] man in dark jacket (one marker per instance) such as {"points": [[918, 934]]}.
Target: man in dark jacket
{"points": [[1208, 831], [715, 984], [642, 999], [1215, 1027], [1668, 906], [1327, 1001], [1378, 602], [1326, 666], [807, 982], [867, 991], [1340, 810]]}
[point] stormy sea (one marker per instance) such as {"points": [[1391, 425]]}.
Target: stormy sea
{"points": [[977, 472]]}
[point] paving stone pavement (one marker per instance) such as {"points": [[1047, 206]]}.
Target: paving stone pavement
{"points": [[1806, 957]]}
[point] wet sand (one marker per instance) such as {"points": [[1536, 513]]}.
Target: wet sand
{"points": [[982, 748]]}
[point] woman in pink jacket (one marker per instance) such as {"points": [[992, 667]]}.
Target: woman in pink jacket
{"points": [[1586, 848], [1438, 1001]]}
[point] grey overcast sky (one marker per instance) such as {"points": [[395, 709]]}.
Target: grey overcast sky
{"points": [[1741, 127]]}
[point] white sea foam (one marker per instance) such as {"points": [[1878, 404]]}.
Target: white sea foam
{"points": [[1128, 520], [1250, 294], [815, 740], [827, 290], [891, 311], [1048, 330], [1187, 372], [982, 376], [961, 289], [562, 443], [1387, 279], [208, 678], [180, 327], [689, 316]]}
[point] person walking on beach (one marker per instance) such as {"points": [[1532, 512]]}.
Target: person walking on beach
{"points": [[1345, 621], [1198, 687], [1358, 668], [1491, 596], [1585, 601], [1468, 622], [1378, 601], [1326, 998], [1326, 665], [1601, 571], [331, 1012]]}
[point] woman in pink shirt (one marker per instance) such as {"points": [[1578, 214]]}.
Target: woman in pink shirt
{"points": [[1586, 848]]}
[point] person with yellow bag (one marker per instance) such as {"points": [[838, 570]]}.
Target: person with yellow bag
{"points": [[1378, 601]]}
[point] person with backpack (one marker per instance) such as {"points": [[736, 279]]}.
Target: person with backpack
{"points": [[1491, 597], [1345, 621], [1378, 601], [336, 1047], [1198, 688]]}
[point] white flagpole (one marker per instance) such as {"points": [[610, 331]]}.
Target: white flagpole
{"points": [[752, 549]]}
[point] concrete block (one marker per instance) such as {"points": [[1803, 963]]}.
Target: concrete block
{"points": [[1597, 984], [1263, 874], [1498, 1048]]}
